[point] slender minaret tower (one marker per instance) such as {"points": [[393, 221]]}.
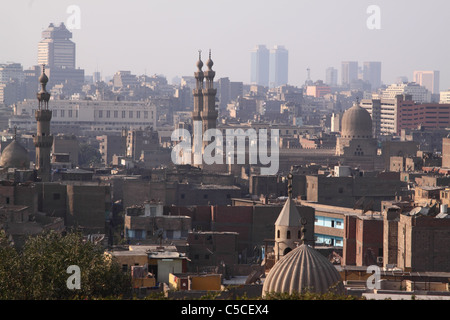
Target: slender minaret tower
{"points": [[43, 141], [209, 113], [198, 106], [288, 226]]}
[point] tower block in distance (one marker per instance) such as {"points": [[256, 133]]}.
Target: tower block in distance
{"points": [[43, 140]]}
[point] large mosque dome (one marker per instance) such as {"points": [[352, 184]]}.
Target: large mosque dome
{"points": [[356, 123], [303, 269], [15, 156]]}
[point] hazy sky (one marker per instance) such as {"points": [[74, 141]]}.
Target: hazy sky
{"points": [[163, 36]]}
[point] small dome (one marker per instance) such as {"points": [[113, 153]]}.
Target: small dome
{"points": [[199, 64], [356, 123], [303, 269], [15, 156], [43, 78], [209, 64]]}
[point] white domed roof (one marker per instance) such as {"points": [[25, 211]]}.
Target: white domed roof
{"points": [[303, 269], [356, 123]]}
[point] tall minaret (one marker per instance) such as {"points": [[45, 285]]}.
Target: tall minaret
{"points": [[198, 104], [288, 232], [43, 141], [209, 113]]}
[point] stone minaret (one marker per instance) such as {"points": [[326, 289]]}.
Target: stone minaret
{"points": [[288, 231], [198, 103], [43, 141], [209, 113]]}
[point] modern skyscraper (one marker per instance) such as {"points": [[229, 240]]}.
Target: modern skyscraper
{"points": [[372, 73], [278, 72], [260, 66], [428, 79], [349, 72], [57, 52], [43, 140], [331, 76], [56, 49]]}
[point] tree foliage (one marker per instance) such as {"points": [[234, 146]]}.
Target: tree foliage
{"points": [[88, 155], [39, 271]]}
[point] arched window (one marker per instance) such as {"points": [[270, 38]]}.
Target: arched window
{"points": [[278, 234], [288, 236]]}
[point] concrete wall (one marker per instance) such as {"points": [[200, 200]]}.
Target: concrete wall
{"points": [[53, 198], [423, 244], [369, 241], [87, 207]]}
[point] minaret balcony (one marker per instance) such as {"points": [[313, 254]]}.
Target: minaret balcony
{"points": [[43, 141]]}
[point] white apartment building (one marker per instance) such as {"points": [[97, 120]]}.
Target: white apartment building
{"points": [[71, 116], [445, 96], [419, 93]]}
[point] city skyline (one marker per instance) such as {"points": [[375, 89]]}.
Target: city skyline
{"points": [[162, 38]]}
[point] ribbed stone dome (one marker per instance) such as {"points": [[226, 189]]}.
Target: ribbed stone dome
{"points": [[303, 269], [356, 123], [15, 156]]}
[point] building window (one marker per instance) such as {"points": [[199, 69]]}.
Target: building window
{"points": [[138, 114], [145, 114], [278, 234], [124, 267], [56, 196], [123, 114], [62, 113], [100, 113], [70, 113], [288, 235], [108, 114]]}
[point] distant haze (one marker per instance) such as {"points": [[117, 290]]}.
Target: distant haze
{"points": [[163, 36]]}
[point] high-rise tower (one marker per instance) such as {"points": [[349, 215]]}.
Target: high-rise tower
{"points": [[56, 49], [43, 140], [260, 66], [349, 72], [278, 74], [58, 52]]}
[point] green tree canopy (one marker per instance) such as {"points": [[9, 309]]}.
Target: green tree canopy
{"points": [[39, 271], [88, 155]]}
